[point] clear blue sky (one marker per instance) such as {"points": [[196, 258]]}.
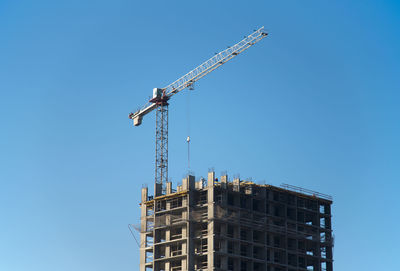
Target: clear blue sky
{"points": [[316, 104]]}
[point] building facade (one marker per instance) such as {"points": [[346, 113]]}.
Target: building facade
{"points": [[221, 225]]}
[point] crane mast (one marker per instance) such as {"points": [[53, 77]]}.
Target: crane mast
{"points": [[159, 102]]}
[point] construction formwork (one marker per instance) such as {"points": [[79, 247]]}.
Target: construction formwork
{"points": [[221, 225]]}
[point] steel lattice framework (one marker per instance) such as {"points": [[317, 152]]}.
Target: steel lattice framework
{"points": [[161, 170], [162, 95]]}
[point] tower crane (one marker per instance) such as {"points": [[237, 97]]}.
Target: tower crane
{"points": [[161, 96]]}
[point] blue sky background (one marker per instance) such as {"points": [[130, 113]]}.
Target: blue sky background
{"points": [[315, 104]]}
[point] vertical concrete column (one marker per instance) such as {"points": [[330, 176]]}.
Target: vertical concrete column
{"points": [[224, 181], [185, 234], [186, 246], [168, 217], [189, 184], [184, 263], [143, 225], [169, 188], [236, 185], [168, 251], [186, 212], [145, 192], [211, 178], [210, 229], [168, 207]]}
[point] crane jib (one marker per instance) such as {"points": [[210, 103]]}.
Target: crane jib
{"points": [[191, 77]]}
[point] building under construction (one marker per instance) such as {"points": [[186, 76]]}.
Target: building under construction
{"points": [[222, 225]]}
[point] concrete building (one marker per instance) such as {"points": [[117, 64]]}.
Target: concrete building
{"points": [[221, 225]]}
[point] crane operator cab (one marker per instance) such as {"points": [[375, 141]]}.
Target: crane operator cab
{"points": [[157, 93], [159, 97]]}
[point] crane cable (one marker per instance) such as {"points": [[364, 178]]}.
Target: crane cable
{"points": [[188, 125], [129, 227]]}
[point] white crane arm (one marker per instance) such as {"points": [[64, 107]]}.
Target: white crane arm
{"points": [[194, 75], [216, 61], [138, 115]]}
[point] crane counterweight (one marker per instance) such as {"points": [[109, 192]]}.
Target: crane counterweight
{"points": [[137, 120]]}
